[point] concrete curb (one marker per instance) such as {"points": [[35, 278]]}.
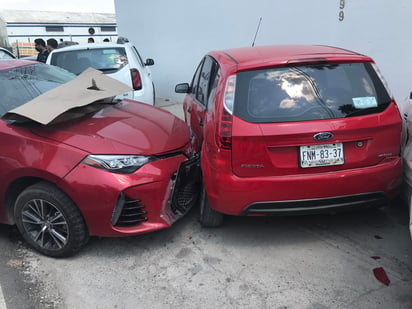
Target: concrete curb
{"points": [[174, 107]]}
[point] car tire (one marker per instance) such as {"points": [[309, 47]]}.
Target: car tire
{"points": [[208, 217], [50, 221]]}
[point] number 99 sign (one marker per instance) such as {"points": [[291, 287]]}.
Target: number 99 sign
{"points": [[341, 10]]}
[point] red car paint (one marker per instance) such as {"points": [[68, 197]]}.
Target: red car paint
{"points": [[33, 153], [261, 166]]}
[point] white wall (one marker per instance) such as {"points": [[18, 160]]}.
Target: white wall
{"points": [[178, 33]]}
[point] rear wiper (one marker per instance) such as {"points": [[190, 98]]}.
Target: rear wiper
{"points": [[365, 111]]}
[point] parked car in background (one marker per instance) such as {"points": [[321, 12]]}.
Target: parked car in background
{"points": [[119, 61], [291, 130], [66, 43], [5, 54], [407, 158], [109, 169], [32, 58]]}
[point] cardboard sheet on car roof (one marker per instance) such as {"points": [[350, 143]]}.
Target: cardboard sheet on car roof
{"points": [[89, 87]]}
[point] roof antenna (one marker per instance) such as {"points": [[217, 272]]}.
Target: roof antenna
{"points": [[257, 30]]}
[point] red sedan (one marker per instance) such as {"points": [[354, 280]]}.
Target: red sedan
{"points": [[117, 169], [290, 130]]}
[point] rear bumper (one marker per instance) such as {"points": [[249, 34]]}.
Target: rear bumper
{"points": [[331, 204], [349, 189]]}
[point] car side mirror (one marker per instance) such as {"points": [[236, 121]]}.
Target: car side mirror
{"points": [[149, 62], [183, 88]]}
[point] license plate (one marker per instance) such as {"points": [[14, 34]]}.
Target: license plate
{"points": [[321, 155]]}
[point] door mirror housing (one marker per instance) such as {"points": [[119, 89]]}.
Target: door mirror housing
{"points": [[183, 88], [149, 62]]}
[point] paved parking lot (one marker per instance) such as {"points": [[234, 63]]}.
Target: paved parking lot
{"points": [[311, 262], [294, 262]]}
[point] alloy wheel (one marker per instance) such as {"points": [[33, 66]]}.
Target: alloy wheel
{"points": [[45, 224]]}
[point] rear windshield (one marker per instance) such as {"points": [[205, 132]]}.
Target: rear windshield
{"points": [[311, 92], [107, 60]]}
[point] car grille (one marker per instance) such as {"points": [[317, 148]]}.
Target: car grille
{"points": [[186, 189], [185, 198], [133, 213]]}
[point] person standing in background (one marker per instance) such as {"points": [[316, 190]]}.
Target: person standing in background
{"points": [[51, 44], [40, 46]]}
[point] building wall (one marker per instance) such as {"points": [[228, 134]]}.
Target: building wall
{"points": [[76, 33], [178, 33]]}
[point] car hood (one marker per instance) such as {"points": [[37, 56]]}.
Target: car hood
{"points": [[127, 127]]}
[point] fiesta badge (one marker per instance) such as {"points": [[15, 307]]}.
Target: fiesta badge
{"points": [[323, 136]]}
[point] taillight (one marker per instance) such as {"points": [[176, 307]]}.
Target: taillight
{"points": [[225, 129], [136, 79], [225, 122], [229, 99]]}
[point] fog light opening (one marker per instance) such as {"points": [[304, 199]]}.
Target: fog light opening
{"points": [[118, 208]]}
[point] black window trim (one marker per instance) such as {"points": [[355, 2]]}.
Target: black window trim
{"points": [[108, 28], [194, 85], [215, 69], [54, 28], [215, 72]]}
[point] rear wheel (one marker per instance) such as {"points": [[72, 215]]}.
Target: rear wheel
{"points": [[208, 217], [49, 221]]}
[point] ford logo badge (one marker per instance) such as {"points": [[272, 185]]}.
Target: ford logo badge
{"points": [[323, 136]]}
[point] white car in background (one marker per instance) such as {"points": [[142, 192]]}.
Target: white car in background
{"points": [[119, 61], [407, 159], [5, 54]]}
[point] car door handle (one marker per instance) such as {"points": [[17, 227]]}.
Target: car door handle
{"points": [[201, 123], [189, 110]]}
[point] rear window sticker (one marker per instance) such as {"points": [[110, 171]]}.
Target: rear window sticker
{"points": [[364, 102]]}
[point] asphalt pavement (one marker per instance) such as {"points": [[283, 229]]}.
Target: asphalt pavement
{"points": [[17, 289], [309, 262]]}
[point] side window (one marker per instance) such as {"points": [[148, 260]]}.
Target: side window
{"points": [[213, 87], [204, 79], [195, 81]]}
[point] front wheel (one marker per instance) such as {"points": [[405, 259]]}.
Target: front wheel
{"points": [[208, 217], [49, 221]]}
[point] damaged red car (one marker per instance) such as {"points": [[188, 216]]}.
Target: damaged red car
{"points": [[292, 130], [105, 168]]}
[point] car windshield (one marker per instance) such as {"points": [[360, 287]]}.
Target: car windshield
{"points": [[107, 60], [310, 92], [21, 84]]}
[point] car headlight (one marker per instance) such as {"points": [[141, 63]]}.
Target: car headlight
{"points": [[124, 164]]}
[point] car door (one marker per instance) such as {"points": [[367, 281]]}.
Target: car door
{"points": [[195, 104]]}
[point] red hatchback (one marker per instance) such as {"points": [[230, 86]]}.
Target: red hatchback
{"points": [[117, 169], [290, 130]]}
